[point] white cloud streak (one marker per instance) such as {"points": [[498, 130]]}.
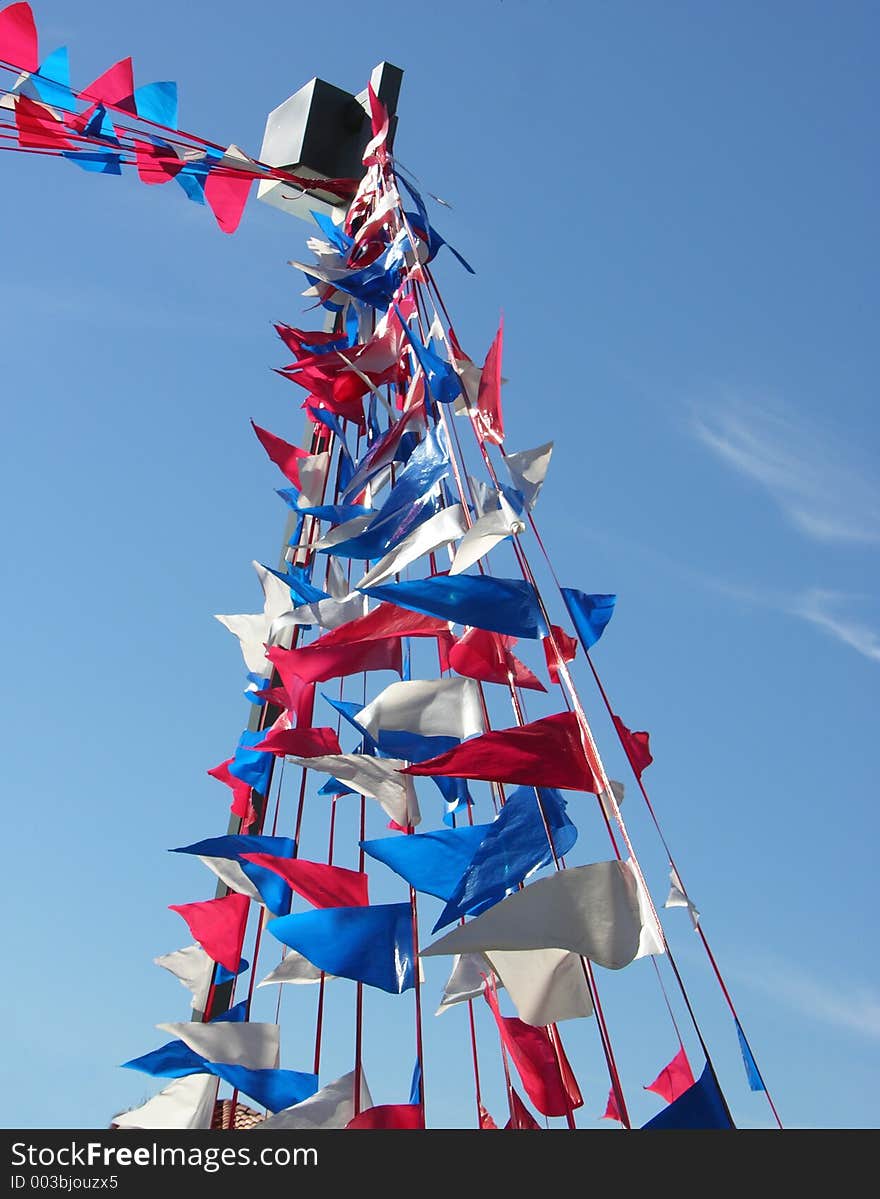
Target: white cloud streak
{"points": [[855, 1009]]}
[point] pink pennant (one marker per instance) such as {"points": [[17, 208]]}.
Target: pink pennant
{"points": [[38, 128], [547, 1078], [18, 37], [566, 645], [486, 1121], [612, 1111], [226, 192], [301, 742], [155, 164], [114, 87], [387, 620], [322, 885], [489, 423], [218, 925], [285, 456], [391, 1115], [636, 746], [520, 1116], [674, 1079], [479, 654], [316, 663]]}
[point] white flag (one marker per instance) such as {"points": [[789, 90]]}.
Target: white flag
{"points": [[546, 985], [252, 630], [377, 778], [312, 473], [349, 528], [439, 530], [651, 940], [430, 707], [677, 898], [255, 1046], [617, 792], [591, 910], [528, 470], [192, 967], [294, 968], [331, 1107], [328, 613], [229, 872], [467, 980], [485, 534], [185, 1103]]}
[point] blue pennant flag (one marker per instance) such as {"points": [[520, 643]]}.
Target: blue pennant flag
{"points": [[275, 892], [157, 102], [431, 862], [383, 533], [101, 162], [413, 746], [455, 792], [348, 710], [443, 383], [334, 233], [175, 1059], [335, 788], [52, 81], [273, 1089], [700, 1106], [500, 605], [373, 285], [252, 766], [372, 945], [415, 1087], [336, 514], [301, 589], [753, 1074], [590, 613], [423, 227]]}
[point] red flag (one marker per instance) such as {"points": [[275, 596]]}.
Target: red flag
{"points": [[322, 885], [486, 1121], [566, 645], [282, 453], [155, 164], [37, 126], [113, 87], [520, 1117], [486, 656], [241, 792], [545, 753], [226, 193], [301, 742], [218, 925], [490, 426], [385, 621], [612, 1112], [296, 697], [317, 663], [297, 339], [18, 37], [674, 1079], [636, 746], [392, 1115], [548, 1080]]}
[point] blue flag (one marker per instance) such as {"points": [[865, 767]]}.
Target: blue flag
{"points": [[175, 1059], [372, 945], [443, 383], [274, 1089], [499, 605], [275, 892], [252, 766], [700, 1106], [514, 845], [753, 1074], [590, 613], [431, 862]]}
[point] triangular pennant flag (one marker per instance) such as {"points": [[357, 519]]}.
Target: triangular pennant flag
{"points": [[674, 1079], [18, 37], [590, 613], [488, 420], [480, 654], [391, 1115], [545, 985], [500, 605], [753, 1074], [302, 743], [432, 708], [700, 1106], [566, 647], [185, 1103], [316, 663], [227, 188], [521, 1118], [547, 1081], [236, 1043], [486, 1121], [331, 1107], [322, 885], [612, 1111], [285, 456], [431, 862], [636, 747], [218, 925], [273, 1089]]}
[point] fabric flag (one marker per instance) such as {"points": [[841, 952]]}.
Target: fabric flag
{"points": [[651, 938], [468, 980], [442, 381], [500, 605], [674, 1079], [245, 1043], [514, 846], [286, 457], [528, 470], [186, 1102], [304, 743], [700, 1106], [225, 857], [227, 188], [439, 530], [252, 630], [543, 1069], [327, 613], [753, 1074], [385, 621], [521, 1119], [331, 1107], [612, 1111], [373, 945], [38, 127], [545, 985], [485, 656], [635, 746], [390, 1115], [485, 533], [317, 663], [486, 1121], [430, 862], [322, 885], [218, 925], [193, 969], [677, 898], [487, 419], [249, 765], [591, 910], [377, 778], [590, 614], [432, 708], [544, 753], [172, 1060], [294, 968], [614, 792], [273, 1089], [566, 647], [18, 37]]}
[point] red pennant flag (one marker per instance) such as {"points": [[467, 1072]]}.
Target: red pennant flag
{"points": [[226, 193], [37, 126], [520, 1117], [674, 1079], [386, 621], [612, 1112], [486, 656], [317, 663], [566, 645], [301, 742], [548, 1080], [155, 164], [486, 1121], [218, 925], [392, 1115], [490, 426], [282, 453], [241, 792], [114, 87], [636, 746], [297, 339], [18, 37], [322, 885], [545, 753]]}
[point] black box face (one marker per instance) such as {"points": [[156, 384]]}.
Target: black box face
{"points": [[336, 133]]}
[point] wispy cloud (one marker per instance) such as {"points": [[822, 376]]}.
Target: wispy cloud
{"points": [[818, 607], [847, 1006], [817, 482]]}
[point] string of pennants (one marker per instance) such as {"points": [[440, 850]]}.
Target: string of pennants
{"points": [[381, 486]]}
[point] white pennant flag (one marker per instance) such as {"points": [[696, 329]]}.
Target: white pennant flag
{"points": [[651, 940], [617, 791], [348, 528], [377, 778], [491, 528], [312, 473], [677, 898], [430, 707], [229, 872], [546, 985], [185, 1103], [252, 630], [331, 1107], [528, 470], [328, 613], [439, 530], [256, 1046], [294, 968], [192, 967], [467, 980], [591, 910]]}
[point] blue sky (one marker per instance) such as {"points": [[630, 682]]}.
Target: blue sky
{"points": [[675, 208]]}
